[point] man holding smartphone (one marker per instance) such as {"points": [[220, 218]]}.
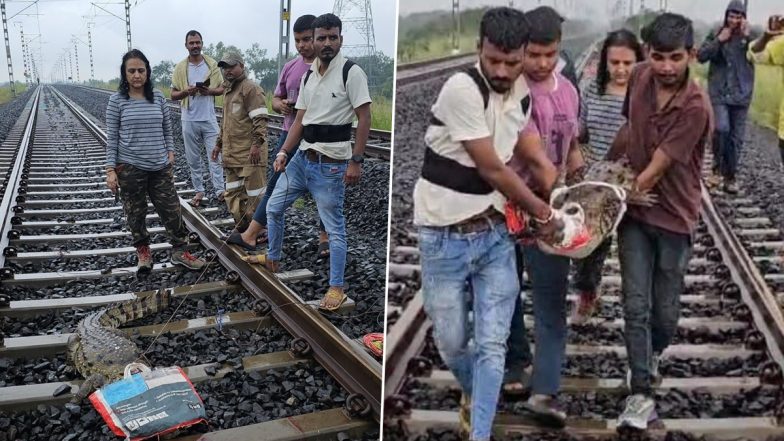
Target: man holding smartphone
{"points": [[196, 82], [769, 49], [730, 85]]}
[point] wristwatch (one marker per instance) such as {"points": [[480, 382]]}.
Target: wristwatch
{"points": [[359, 159]]}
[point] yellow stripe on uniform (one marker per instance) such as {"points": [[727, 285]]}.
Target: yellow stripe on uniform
{"points": [[256, 192], [234, 184], [257, 112]]}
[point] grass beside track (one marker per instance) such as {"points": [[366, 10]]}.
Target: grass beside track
{"points": [[6, 95]]}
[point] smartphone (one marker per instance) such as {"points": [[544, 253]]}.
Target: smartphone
{"points": [[776, 23], [203, 84]]}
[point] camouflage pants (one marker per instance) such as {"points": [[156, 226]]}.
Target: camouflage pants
{"points": [[244, 189], [135, 185]]}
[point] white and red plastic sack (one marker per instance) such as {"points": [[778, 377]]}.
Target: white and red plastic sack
{"points": [[149, 403]]}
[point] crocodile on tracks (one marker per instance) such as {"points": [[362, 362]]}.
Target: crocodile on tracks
{"points": [[100, 350]]}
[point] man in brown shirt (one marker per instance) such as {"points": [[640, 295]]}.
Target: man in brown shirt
{"points": [[242, 141], [664, 137]]}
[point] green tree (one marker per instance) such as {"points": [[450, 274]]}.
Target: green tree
{"points": [[162, 73], [263, 69]]}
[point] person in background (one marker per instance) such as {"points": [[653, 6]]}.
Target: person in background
{"points": [[601, 117], [140, 158], [769, 49], [668, 124], [196, 82], [731, 86]]}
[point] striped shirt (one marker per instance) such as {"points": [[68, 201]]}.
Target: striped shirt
{"points": [[138, 132], [600, 116]]}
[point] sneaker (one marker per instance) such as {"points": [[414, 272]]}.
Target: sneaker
{"points": [[545, 410], [144, 257], [639, 412], [464, 416], [585, 307], [730, 187], [187, 260]]}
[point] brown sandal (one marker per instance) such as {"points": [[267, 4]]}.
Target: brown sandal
{"points": [[262, 259], [336, 295]]}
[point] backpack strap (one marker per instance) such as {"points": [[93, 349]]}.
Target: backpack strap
{"points": [[347, 67], [473, 72], [307, 75]]}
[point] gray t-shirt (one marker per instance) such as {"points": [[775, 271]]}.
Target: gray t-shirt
{"points": [[200, 107]]}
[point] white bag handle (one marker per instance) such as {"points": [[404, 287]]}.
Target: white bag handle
{"points": [[619, 191], [131, 366]]}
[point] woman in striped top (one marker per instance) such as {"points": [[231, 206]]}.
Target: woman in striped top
{"points": [[140, 158], [600, 119]]}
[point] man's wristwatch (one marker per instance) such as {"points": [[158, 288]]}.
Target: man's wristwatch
{"points": [[359, 159]]}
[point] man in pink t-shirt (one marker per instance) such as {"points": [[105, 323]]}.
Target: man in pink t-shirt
{"points": [[286, 94], [553, 122]]}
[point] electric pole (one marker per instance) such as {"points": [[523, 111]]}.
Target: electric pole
{"points": [[90, 46], [456, 26], [76, 57], [7, 48], [284, 36], [128, 22]]}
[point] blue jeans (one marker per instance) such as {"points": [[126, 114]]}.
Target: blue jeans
{"points": [[549, 276], [653, 265], [486, 260], [728, 137], [194, 134], [324, 181]]}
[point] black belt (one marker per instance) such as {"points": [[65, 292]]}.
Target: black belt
{"points": [[477, 224], [326, 133]]}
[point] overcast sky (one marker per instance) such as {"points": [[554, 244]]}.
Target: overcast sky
{"points": [[705, 10], [158, 28]]}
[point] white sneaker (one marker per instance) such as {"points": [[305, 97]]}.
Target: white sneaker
{"points": [[640, 410]]}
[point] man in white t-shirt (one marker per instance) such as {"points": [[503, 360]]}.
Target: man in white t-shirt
{"points": [[459, 204], [196, 81], [333, 92]]}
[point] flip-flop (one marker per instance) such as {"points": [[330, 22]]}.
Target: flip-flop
{"points": [[333, 294], [323, 249], [235, 238], [515, 380], [375, 343]]}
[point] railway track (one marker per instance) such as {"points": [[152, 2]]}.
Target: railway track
{"points": [[262, 358], [722, 375], [420, 71], [379, 143]]}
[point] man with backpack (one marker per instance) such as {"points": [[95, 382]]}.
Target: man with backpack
{"points": [[333, 92], [459, 202]]}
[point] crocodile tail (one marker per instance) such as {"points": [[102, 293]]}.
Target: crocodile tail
{"points": [[141, 307]]}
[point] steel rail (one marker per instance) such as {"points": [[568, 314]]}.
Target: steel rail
{"points": [[15, 177]]}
